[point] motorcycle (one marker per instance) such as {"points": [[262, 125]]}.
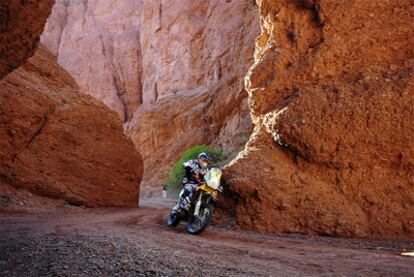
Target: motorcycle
{"points": [[201, 211]]}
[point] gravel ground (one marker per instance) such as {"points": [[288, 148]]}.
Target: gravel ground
{"points": [[113, 242], [102, 255]]}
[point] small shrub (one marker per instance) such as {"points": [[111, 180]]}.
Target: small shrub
{"points": [[177, 171]]}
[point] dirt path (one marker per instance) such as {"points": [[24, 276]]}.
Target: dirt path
{"points": [[116, 242]]}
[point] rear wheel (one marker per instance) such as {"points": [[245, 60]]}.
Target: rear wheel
{"points": [[198, 223]]}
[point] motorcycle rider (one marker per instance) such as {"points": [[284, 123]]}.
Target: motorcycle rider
{"points": [[195, 170]]}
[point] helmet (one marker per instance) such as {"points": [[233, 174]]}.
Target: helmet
{"points": [[205, 158]]}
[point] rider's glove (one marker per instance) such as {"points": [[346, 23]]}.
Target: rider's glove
{"points": [[197, 177]]}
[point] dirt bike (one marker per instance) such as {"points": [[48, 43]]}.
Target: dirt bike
{"points": [[201, 211]]}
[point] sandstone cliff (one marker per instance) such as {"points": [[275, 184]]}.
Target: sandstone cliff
{"points": [[173, 70], [193, 89], [98, 43], [59, 143], [21, 24], [331, 94]]}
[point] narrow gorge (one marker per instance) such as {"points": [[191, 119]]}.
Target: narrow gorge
{"points": [[311, 102], [172, 70]]}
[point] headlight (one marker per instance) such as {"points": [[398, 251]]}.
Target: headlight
{"points": [[213, 185]]}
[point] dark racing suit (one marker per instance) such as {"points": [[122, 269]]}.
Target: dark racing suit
{"points": [[194, 173]]}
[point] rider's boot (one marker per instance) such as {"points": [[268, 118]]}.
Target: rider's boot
{"points": [[183, 203], [176, 208]]}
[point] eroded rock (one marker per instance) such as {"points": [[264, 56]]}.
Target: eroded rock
{"points": [[173, 70], [206, 115], [331, 94], [21, 24], [60, 143], [98, 43], [193, 89]]}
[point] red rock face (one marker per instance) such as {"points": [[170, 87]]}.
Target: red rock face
{"points": [[59, 143], [173, 70], [189, 44], [98, 43], [193, 89], [331, 93], [21, 24], [206, 115]]}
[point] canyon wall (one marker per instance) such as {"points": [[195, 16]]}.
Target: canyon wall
{"points": [[331, 94], [21, 24], [98, 43], [172, 70], [193, 89], [59, 143]]}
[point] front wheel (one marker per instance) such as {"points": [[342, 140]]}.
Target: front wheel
{"points": [[198, 223], [173, 219]]}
